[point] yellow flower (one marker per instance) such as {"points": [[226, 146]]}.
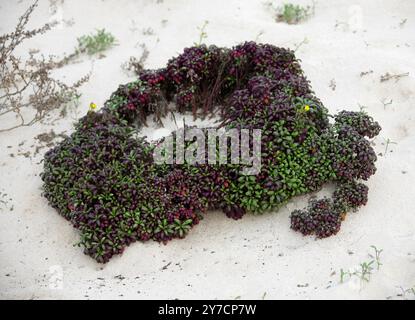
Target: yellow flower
{"points": [[92, 106], [306, 107]]}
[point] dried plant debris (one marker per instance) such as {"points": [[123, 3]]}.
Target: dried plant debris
{"points": [[300, 44], [5, 201], [27, 90], [408, 293], [148, 31], [49, 137], [135, 65], [48, 140], [388, 142], [42, 141], [341, 24], [365, 73], [387, 76], [403, 22], [386, 102], [56, 11], [332, 84]]}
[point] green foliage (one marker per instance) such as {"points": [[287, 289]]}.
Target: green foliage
{"points": [[95, 43], [293, 14], [365, 268], [110, 186]]}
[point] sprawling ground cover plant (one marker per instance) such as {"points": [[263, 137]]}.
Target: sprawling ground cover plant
{"points": [[105, 180]]}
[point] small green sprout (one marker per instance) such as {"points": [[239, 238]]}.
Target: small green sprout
{"points": [[387, 143], [202, 33], [366, 267], [376, 256]]}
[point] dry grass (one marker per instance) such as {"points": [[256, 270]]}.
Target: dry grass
{"points": [[27, 90]]}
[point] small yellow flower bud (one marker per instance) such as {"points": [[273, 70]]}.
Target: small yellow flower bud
{"points": [[92, 106], [306, 107]]}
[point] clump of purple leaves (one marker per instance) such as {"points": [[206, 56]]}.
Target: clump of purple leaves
{"points": [[105, 181], [350, 195], [320, 219]]}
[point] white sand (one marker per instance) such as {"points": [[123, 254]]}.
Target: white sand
{"points": [[222, 258]]}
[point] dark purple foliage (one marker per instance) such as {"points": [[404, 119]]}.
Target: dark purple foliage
{"points": [[320, 219], [350, 195], [104, 180]]}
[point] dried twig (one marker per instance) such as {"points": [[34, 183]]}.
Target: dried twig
{"points": [[385, 102], [387, 76], [365, 73], [137, 65], [298, 45], [26, 88]]}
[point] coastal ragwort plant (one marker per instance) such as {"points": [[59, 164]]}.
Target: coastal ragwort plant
{"points": [[105, 181]]}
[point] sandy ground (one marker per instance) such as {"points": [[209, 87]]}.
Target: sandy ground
{"points": [[256, 257]]}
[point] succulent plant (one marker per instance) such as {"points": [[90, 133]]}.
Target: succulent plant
{"points": [[106, 182], [320, 219]]}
